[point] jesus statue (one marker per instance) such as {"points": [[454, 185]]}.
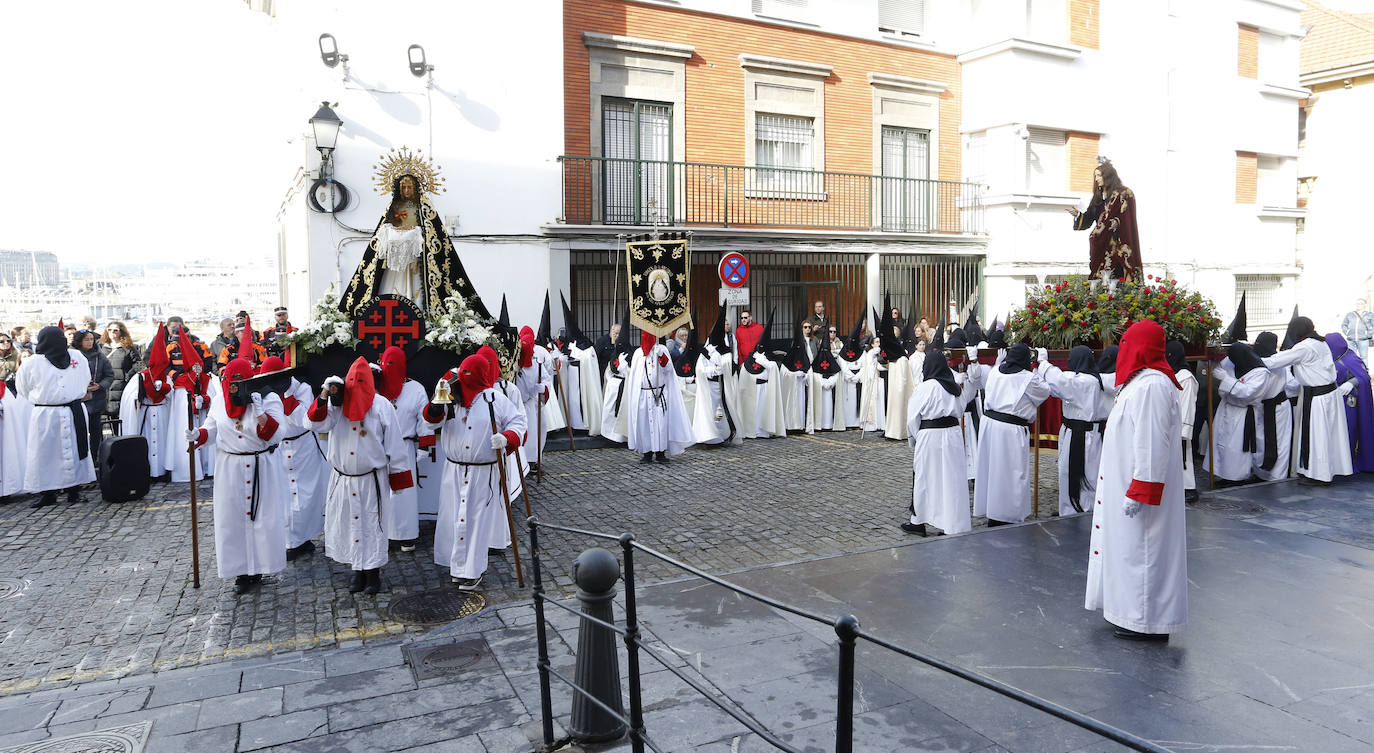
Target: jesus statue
{"points": [[1114, 241], [410, 254]]}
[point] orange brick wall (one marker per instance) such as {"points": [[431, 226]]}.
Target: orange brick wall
{"points": [[1247, 175], [1083, 23], [1247, 52], [1082, 160], [714, 117]]}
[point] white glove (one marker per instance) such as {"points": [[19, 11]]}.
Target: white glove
{"points": [[1130, 508], [157, 385], [498, 441], [257, 402], [1042, 355], [193, 435], [421, 456], [331, 380], [972, 352], [199, 402]]}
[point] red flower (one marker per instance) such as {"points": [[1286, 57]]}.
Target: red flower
{"points": [[1065, 325], [1149, 277], [1092, 305], [1152, 309], [1173, 282], [1045, 328]]}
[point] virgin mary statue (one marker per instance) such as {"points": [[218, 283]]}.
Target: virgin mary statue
{"points": [[410, 254]]}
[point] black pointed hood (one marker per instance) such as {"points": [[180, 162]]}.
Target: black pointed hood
{"points": [[825, 362], [939, 342], [890, 347], [544, 335], [1106, 363], [1301, 328], [853, 345], [1081, 360], [1288, 339], [625, 342], [717, 336], [796, 359], [1235, 331], [909, 338], [936, 366], [958, 340], [972, 330], [504, 318], [1176, 355], [575, 333], [686, 362], [1243, 358], [750, 364], [1267, 344], [997, 336]]}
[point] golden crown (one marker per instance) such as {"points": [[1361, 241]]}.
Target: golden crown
{"points": [[403, 161]]}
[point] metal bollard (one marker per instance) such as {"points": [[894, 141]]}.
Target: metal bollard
{"points": [[598, 663]]}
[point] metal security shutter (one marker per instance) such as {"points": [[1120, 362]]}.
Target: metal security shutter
{"points": [[1046, 162], [906, 16], [788, 9]]}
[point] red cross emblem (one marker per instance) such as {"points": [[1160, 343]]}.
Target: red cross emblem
{"points": [[825, 364], [389, 320]]}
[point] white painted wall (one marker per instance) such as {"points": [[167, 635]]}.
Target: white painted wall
{"points": [[493, 120]]}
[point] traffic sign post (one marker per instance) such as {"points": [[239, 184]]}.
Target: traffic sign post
{"points": [[733, 270]]}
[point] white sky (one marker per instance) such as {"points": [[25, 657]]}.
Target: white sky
{"points": [[136, 132]]}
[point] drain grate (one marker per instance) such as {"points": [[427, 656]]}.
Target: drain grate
{"points": [[437, 607], [130, 738], [11, 587], [447, 659]]}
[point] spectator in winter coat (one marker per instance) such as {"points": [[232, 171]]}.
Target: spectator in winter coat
{"points": [[102, 377], [123, 354]]}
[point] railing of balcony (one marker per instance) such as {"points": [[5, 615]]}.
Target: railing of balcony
{"points": [[611, 191]]}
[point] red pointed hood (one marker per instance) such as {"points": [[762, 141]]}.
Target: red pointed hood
{"points": [[234, 372], [271, 364], [647, 342], [526, 347], [158, 363], [246, 342], [393, 363], [493, 360], [473, 378], [195, 379], [1142, 347], [359, 390]]}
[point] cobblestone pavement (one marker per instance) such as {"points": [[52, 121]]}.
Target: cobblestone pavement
{"points": [[104, 590]]}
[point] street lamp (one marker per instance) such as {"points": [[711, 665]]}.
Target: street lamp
{"points": [[418, 67], [326, 126]]}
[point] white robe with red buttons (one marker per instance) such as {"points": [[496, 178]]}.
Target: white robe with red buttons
{"points": [[179, 463], [517, 467], [363, 454], [471, 494], [1138, 567], [535, 381], [246, 544], [153, 421], [305, 469]]}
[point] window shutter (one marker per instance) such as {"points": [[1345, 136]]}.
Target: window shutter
{"points": [[902, 15], [1046, 162], [787, 9]]}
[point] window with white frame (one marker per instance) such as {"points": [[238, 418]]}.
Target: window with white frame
{"points": [[1276, 181], [787, 10], [1262, 301], [975, 157], [1046, 162], [902, 16], [783, 141]]}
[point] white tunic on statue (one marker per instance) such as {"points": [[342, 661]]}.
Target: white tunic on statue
{"points": [[305, 469], [362, 454], [940, 493], [1187, 407], [153, 421], [1279, 388], [1138, 567], [403, 513], [1080, 395], [658, 419], [52, 461], [179, 463], [14, 440], [1238, 397], [471, 493], [1002, 491], [244, 466], [1328, 443]]}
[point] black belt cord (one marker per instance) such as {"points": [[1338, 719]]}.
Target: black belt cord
{"points": [[943, 422], [1271, 430], [976, 418], [1307, 394], [725, 408], [1078, 457], [255, 498], [1248, 441], [1006, 418], [83, 432], [376, 484]]}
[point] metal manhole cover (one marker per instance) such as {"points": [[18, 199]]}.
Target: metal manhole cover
{"points": [[436, 607], [130, 738], [11, 587], [1230, 505], [447, 659]]}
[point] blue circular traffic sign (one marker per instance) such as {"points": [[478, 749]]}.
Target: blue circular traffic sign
{"points": [[733, 270]]}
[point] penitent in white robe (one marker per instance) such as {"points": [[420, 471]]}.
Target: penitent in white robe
{"points": [[584, 387], [939, 495], [977, 376], [1328, 440], [363, 454], [517, 467], [403, 513], [824, 402], [658, 418], [153, 421], [247, 544], [14, 440], [849, 388], [613, 420], [1281, 386], [899, 386], [53, 459], [533, 381], [761, 405], [1002, 491], [1187, 407], [471, 494], [304, 468], [1081, 398], [1138, 567], [793, 385], [716, 396], [1238, 397], [179, 463], [873, 400]]}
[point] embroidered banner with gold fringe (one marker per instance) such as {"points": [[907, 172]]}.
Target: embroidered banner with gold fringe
{"points": [[658, 275]]}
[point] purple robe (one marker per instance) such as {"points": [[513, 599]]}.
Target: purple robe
{"points": [[1359, 420]]}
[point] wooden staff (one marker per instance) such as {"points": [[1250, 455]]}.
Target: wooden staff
{"points": [[505, 496], [1035, 439], [191, 455], [563, 398]]}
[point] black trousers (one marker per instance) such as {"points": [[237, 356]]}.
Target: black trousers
{"points": [[97, 432]]}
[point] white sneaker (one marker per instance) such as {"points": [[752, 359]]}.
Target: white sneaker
{"points": [[408, 546], [470, 584]]}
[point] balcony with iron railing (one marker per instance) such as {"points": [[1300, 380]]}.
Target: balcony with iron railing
{"points": [[613, 191]]}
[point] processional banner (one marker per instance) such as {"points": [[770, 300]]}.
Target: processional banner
{"points": [[658, 274]]}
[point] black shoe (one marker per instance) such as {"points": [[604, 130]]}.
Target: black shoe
{"points": [[994, 523], [647, 458], [917, 528], [243, 584], [47, 498], [494, 552], [1190, 496], [300, 550], [1305, 481], [661, 457], [73, 496], [374, 581], [1131, 635], [359, 581]]}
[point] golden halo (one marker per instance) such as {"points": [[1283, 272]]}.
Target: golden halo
{"points": [[403, 161]]}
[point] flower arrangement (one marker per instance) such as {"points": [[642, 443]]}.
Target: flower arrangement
{"points": [[461, 329], [327, 326], [1081, 311]]}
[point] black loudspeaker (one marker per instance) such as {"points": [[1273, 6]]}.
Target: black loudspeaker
{"points": [[124, 471]]}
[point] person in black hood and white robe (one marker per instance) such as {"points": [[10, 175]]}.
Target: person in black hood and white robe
{"points": [[56, 381], [1079, 389], [1014, 394], [1242, 381], [1187, 397], [1276, 417], [940, 494], [716, 408], [825, 404]]}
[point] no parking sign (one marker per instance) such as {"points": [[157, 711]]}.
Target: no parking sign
{"points": [[733, 270]]}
